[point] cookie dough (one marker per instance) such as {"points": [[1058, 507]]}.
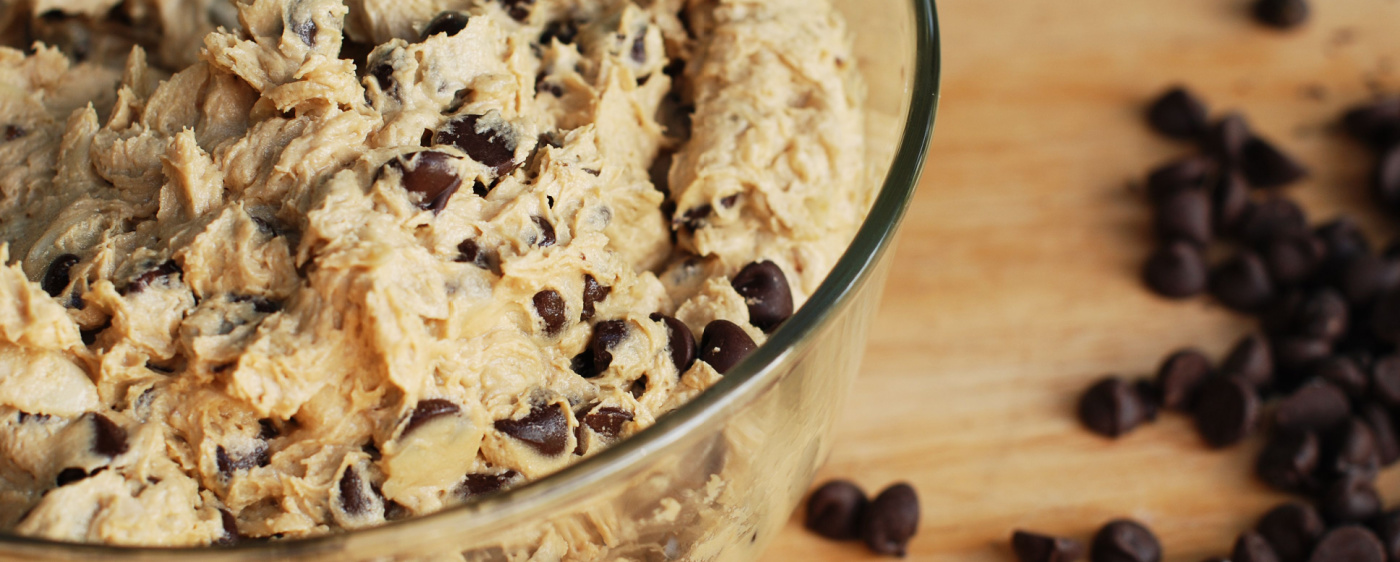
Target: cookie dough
{"points": [[279, 268]]}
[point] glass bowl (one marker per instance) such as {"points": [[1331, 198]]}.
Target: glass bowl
{"points": [[718, 477]]}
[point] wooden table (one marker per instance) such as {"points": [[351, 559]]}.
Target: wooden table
{"points": [[1016, 281]]}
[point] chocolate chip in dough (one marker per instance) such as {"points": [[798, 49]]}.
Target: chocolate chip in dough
{"points": [[1035, 547], [1176, 270], [1184, 214], [1251, 547], [1289, 460], [160, 272], [835, 510], [544, 429], [606, 335], [1385, 180], [607, 421], [427, 410], [765, 289], [1350, 499], [13, 132], [229, 464], [306, 31], [474, 485], [1291, 529], [593, 293], [430, 174], [546, 237], [1124, 540], [518, 9], [1318, 405], [471, 252], [383, 74], [724, 344], [550, 306], [1180, 376], [1282, 14], [492, 147], [1227, 137], [1227, 411], [1112, 407], [109, 438], [680, 340], [1375, 123], [1242, 283], [694, 218], [230, 525], [352, 493], [70, 475], [56, 278], [563, 31], [891, 520], [1264, 165], [449, 22], [1179, 114]]}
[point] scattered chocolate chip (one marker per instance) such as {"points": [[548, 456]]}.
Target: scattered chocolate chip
{"points": [[1375, 123], [1251, 547], [544, 429], [1191, 172], [724, 344], [162, 271], [449, 22], [470, 252], [1112, 407], [1282, 14], [593, 293], [1149, 396], [1124, 540], [1382, 427], [1323, 315], [1227, 137], [474, 485], [550, 306], [765, 289], [1367, 277], [230, 525], [1291, 529], [890, 520], [1176, 270], [1387, 528], [1292, 259], [1385, 380], [1180, 376], [56, 278], [1229, 201], [835, 510], [546, 238], [1350, 499], [1342, 372], [1315, 406], [1227, 411], [1289, 460], [1178, 114], [1295, 355], [1034, 547], [70, 475], [1242, 283], [1266, 166], [492, 147], [680, 340], [1385, 180], [1350, 449], [427, 410], [430, 174], [109, 438], [1252, 360], [1343, 240], [1184, 214], [352, 494], [1272, 218], [607, 421]]}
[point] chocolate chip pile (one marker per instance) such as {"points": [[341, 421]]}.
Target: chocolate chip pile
{"points": [[839, 510], [1322, 374]]}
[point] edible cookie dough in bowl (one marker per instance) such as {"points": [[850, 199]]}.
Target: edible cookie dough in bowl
{"points": [[439, 279]]}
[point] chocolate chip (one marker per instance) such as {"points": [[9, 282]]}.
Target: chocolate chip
{"points": [[835, 510], [1111, 407], [1272, 218], [1289, 460], [13, 132], [1149, 396], [449, 22], [230, 525], [1282, 14], [1178, 113], [1317, 405], [266, 431], [70, 475], [1382, 427], [563, 31], [1385, 380], [1350, 449], [1229, 201], [1350, 499], [679, 340], [229, 464], [607, 421], [544, 429], [1227, 138], [1034, 547], [694, 218], [1251, 359], [430, 174], [1387, 528], [1227, 411], [638, 387], [56, 278], [550, 306], [1366, 278], [1292, 259], [639, 49], [427, 410], [724, 344], [470, 252], [1295, 355], [593, 293], [383, 74], [1251, 547], [546, 238], [1323, 315], [1266, 166], [1242, 283], [352, 493], [474, 485], [109, 438], [1176, 270], [891, 519], [1124, 540], [1385, 180], [606, 335], [1342, 372], [1191, 172], [518, 9], [1342, 240], [1184, 214], [161, 272], [1376, 123], [765, 289], [1180, 375], [306, 31], [1291, 529], [492, 147]]}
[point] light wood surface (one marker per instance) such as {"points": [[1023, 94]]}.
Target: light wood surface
{"points": [[1016, 281]]}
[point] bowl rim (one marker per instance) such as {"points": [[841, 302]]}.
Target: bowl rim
{"points": [[742, 385]]}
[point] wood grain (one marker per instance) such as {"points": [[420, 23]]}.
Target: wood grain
{"points": [[1016, 281]]}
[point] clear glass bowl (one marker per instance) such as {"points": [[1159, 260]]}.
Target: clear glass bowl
{"points": [[717, 478]]}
